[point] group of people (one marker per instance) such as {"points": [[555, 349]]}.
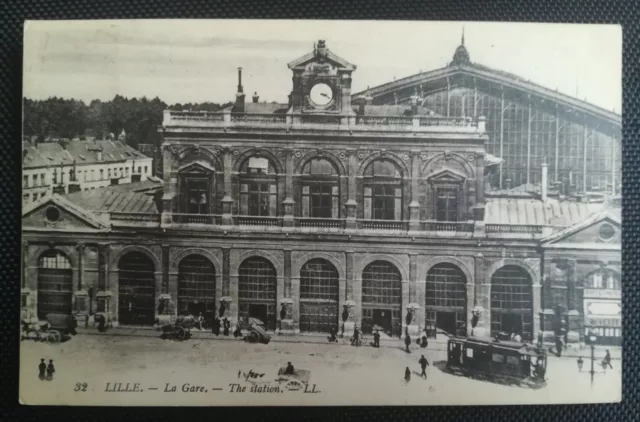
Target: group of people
{"points": [[423, 362], [45, 372]]}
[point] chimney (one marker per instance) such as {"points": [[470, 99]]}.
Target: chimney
{"points": [[99, 155], [240, 94], [543, 188], [508, 183], [255, 97]]}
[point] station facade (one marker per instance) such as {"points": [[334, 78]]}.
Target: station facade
{"points": [[324, 213]]}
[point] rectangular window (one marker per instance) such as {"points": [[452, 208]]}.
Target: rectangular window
{"points": [[42, 182], [496, 357], [384, 203], [197, 192], [145, 169], [109, 173], [513, 360], [35, 180], [470, 353], [101, 174], [25, 181], [446, 203]]}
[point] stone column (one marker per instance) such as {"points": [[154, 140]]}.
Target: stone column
{"points": [[227, 200], [170, 182], [286, 299], [289, 202], [414, 206], [225, 272], [352, 204], [482, 299], [535, 288], [416, 309], [81, 295]]}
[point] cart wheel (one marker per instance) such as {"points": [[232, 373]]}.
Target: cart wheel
{"points": [[253, 337], [181, 334], [53, 337]]}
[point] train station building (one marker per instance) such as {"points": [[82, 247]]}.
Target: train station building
{"points": [[411, 205]]}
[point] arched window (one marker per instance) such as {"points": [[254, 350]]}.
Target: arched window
{"points": [[196, 193], [446, 299], [258, 187], [382, 191], [382, 298], [257, 291], [512, 302], [197, 287], [54, 284], [320, 189], [136, 289], [319, 284]]}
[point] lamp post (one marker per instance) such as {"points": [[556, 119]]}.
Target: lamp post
{"points": [[592, 340]]}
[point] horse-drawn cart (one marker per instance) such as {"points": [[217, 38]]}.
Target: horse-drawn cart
{"points": [[57, 328], [180, 330]]}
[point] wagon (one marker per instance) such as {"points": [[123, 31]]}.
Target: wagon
{"points": [[256, 332], [180, 330], [59, 327], [297, 380]]}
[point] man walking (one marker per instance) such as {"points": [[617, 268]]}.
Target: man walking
{"points": [[50, 370], [407, 341], [42, 368], [607, 360], [376, 339], [423, 364]]}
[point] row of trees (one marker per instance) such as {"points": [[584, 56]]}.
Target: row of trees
{"points": [[67, 118]]}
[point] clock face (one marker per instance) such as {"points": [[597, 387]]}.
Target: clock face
{"points": [[321, 94]]}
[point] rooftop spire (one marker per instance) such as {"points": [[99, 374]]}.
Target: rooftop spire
{"points": [[462, 40]]}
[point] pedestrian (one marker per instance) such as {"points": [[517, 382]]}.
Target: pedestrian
{"points": [[226, 324], [424, 342], [200, 321], [50, 370], [215, 328], [355, 341], [423, 364], [518, 338], [407, 374], [238, 332], [407, 341], [333, 335], [283, 314], [376, 339], [607, 360], [558, 346], [42, 368]]}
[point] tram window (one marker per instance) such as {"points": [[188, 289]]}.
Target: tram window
{"points": [[497, 358], [513, 360], [470, 353]]}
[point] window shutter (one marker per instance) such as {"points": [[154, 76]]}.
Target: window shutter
{"points": [[305, 201], [244, 199], [335, 198], [273, 200], [398, 204], [367, 203]]}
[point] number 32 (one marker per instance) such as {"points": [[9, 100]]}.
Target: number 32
{"points": [[81, 386]]}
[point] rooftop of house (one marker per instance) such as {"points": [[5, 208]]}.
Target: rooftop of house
{"points": [[65, 152], [129, 198]]}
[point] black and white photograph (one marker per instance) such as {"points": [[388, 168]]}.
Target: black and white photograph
{"points": [[304, 213]]}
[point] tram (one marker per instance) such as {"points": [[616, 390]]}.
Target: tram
{"points": [[507, 362]]}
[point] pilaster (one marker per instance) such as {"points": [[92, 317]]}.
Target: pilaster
{"points": [[352, 205], [289, 202], [414, 206], [227, 200]]}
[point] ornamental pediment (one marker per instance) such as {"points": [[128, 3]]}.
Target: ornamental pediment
{"points": [[446, 175], [198, 167], [58, 213]]}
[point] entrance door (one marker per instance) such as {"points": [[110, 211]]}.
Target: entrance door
{"points": [[509, 323], [382, 317], [259, 311], [136, 290], [446, 321]]}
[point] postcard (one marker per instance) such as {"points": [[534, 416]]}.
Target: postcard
{"points": [[247, 212]]}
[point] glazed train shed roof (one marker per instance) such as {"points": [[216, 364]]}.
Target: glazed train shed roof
{"points": [[498, 78]]}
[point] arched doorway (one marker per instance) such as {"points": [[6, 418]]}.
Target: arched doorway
{"points": [[512, 302], [446, 299], [319, 284], [55, 284], [136, 289], [257, 291], [197, 287], [382, 298]]}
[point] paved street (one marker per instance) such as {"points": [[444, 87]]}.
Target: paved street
{"points": [[342, 374]]}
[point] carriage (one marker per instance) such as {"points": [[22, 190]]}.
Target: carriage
{"points": [[57, 328], [506, 362], [296, 381], [180, 330], [255, 330]]}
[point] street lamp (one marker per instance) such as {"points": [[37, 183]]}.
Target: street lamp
{"points": [[591, 339]]}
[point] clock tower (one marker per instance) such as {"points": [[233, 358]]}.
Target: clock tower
{"points": [[321, 83]]}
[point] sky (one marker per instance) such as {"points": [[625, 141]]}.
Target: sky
{"points": [[183, 61]]}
